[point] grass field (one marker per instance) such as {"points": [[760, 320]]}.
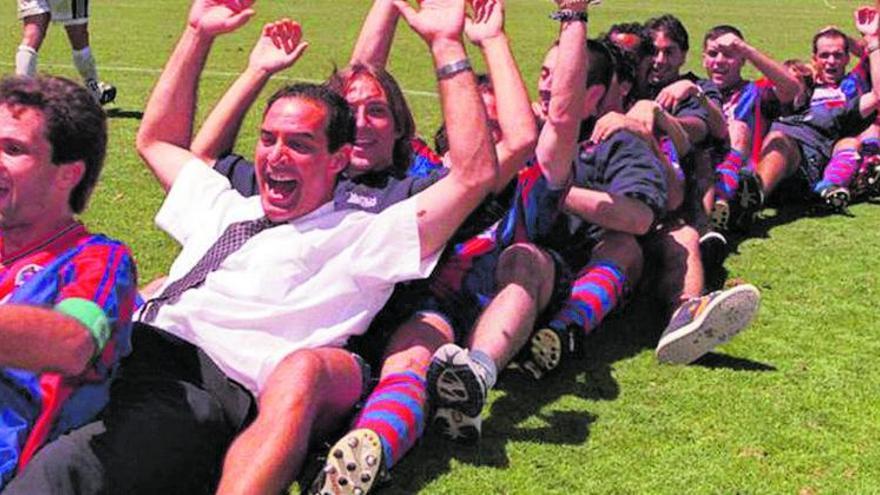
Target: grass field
{"points": [[790, 406]]}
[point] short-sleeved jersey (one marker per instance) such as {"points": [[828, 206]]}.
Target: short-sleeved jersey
{"points": [[820, 126], [467, 271], [80, 274], [856, 83], [623, 165]]}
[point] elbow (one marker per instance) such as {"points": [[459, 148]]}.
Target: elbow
{"points": [[641, 223]]}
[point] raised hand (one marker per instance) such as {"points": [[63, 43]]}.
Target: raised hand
{"points": [[279, 46], [868, 21], [731, 44], [486, 23], [214, 17], [614, 122], [675, 93], [436, 20]]}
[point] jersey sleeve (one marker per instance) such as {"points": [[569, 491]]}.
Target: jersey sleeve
{"points": [[99, 285], [240, 172]]}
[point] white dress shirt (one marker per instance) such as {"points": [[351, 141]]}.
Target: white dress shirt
{"points": [[309, 283]]}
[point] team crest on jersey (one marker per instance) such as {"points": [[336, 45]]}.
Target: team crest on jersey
{"points": [[26, 273]]}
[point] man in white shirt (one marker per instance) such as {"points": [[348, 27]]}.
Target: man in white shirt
{"points": [[257, 329]]}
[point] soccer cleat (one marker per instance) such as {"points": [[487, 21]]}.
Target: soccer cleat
{"points": [[456, 384], [749, 202], [549, 347], [872, 175], [354, 465], [713, 249], [456, 426], [102, 92], [836, 198], [704, 322], [720, 216]]}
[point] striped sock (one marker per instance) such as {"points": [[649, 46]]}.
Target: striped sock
{"points": [[841, 168], [395, 410], [727, 175], [596, 291]]}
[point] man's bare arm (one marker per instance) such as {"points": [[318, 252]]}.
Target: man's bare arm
{"points": [[558, 140], [519, 131], [786, 85], [164, 136], [377, 34], [444, 206], [610, 211], [868, 23], [41, 339]]}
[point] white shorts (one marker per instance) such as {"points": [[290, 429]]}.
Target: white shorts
{"points": [[63, 11]]}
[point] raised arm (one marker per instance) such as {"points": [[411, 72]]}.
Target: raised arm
{"points": [[868, 23], [444, 206], [164, 136], [374, 41], [519, 132], [557, 143], [279, 47], [786, 85]]}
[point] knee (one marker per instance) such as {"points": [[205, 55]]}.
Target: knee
{"points": [[297, 373], [526, 265]]}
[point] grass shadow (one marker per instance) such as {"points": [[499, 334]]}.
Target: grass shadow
{"points": [[723, 361], [119, 113]]}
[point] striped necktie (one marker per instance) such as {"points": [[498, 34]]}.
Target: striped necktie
{"points": [[232, 238]]}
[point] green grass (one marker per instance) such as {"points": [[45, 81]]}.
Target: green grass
{"points": [[790, 406]]}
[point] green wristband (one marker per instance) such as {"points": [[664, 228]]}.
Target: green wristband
{"points": [[91, 315]]}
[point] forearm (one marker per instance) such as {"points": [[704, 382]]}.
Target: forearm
{"points": [[695, 128], [519, 132], [219, 131], [558, 140], [716, 124], [674, 130], [874, 65], [40, 339], [168, 116], [609, 211], [786, 85], [374, 41]]}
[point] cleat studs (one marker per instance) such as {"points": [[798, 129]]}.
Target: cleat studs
{"points": [[337, 454], [351, 466], [343, 481]]}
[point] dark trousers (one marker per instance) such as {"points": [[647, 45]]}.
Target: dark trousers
{"points": [[172, 415]]}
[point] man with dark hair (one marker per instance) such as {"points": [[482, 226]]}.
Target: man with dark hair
{"points": [[749, 108], [67, 295], [243, 348], [807, 151]]}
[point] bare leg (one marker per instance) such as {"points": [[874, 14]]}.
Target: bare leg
{"points": [[525, 277], [34, 30], [309, 392], [779, 159], [683, 276], [78, 35], [412, 345]]}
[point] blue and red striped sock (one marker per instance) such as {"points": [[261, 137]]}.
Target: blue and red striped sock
{"points": [[727, 175], [395, 410], [596, 291], [841, 168]]}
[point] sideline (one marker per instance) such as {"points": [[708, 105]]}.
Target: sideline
{"points": [[208, 73]]}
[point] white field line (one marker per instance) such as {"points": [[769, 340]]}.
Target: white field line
{"points": [[205, 73]]}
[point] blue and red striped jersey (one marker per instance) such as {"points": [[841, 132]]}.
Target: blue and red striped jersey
{"points": [[72, 264]]}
